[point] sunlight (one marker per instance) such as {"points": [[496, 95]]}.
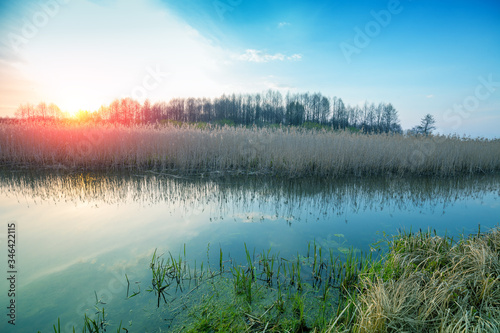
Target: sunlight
{"points": [[82, 115], [73, 105], [82, 69]]}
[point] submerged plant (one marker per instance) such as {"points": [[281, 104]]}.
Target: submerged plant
{"points": [[242, 281], [424, 283], [166, 272]]}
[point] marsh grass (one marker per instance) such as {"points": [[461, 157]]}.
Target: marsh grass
{"points": [[429, 283], [95, 324], [268, 292], [424, 283], [169, 271], [286, 151]]}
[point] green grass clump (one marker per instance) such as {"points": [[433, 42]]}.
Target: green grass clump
{"points": [[429, 283], [424, 283], [267, 292]]}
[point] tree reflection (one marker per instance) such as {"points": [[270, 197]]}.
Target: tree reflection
{"points": [[227, 195]]}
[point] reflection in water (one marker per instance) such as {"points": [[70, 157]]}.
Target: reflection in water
{"points": [[286, 196], [82, 232]]}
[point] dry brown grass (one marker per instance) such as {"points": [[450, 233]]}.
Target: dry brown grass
{"points": [[428, 284], [287, 151]]}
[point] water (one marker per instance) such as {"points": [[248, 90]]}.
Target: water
{"points": [[79, 234]]}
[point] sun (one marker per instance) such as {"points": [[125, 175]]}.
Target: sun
{"points": [[83, 115], [75, 107]]}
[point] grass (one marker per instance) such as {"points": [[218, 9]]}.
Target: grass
{"points": [[286, 151], [429, 283], [266, 291], [91, 325], [424, 283]]}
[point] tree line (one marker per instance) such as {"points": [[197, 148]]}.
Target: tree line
{"points": [[42, 111], [259, 109]]}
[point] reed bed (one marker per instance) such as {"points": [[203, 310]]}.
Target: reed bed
{"points": [[286, 151], [431, 284]]}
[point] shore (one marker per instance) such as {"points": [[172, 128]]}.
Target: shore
{"points": [[284, 151], [421, 283]]}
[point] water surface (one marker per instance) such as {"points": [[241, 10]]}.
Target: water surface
{"points": [[80, 233]]}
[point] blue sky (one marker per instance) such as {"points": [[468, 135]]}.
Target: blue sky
{"points": [[438, 57]]}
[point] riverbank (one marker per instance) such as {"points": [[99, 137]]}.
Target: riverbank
{"points": [[429, 283], [423, 283], [285, 151]]}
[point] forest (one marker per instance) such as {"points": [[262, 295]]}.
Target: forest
{"points": [[260, 109]]}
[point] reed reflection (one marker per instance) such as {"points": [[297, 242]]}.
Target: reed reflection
{"points": [[228, 196]]}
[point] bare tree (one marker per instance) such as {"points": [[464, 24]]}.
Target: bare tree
{"points": [[24, 111], [41, 110], [54, 112], [294, 114], [390, 121], [324, 110], [269, 107], [426, 125], [146, 112]]}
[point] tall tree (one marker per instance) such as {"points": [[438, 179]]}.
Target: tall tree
{"points": [[191, 107], [294, 114], [146, 112], [207, 109], [315, 107], [341, 114], [390, 120], [25, 111], [426, 125], [41, 110], [54, 112], [324, 110], [371, 117]]}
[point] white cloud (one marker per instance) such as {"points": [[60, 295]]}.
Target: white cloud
{"points": [[430, 96], [295, 57], [81, 64], [283, 24], [251, 55], [271, 83]]}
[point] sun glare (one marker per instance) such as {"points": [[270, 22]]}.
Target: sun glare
{"points": [[84, 80], [75, 106]]}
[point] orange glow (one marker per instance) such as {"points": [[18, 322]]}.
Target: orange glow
{"points": [[83, 115]]}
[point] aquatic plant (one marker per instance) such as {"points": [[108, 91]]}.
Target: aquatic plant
{"points": [[283, 150], [166, 272], [424, 283], [92, 325], [429, 283]]}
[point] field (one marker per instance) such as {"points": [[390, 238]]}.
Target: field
{"points": [[285, 151]]}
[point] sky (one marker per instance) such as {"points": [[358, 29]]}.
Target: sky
{"points": [[437, 57]]}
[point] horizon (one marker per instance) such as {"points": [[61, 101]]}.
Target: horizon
{"points": [[422, 57]]}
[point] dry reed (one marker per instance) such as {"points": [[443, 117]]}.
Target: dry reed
{"points": [[287, 151], [434, 285]]}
